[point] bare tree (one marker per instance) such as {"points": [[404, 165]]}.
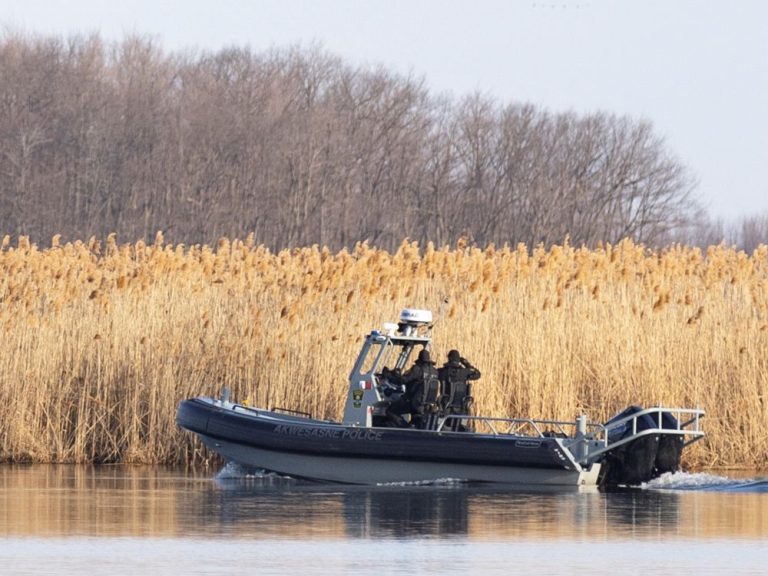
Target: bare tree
{"points": [[297, 147]]}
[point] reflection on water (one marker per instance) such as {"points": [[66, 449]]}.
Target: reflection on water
{"points": [[67, 501], [70, 520]]}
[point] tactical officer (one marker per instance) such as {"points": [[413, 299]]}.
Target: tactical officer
{"points": [[422, 388], [454, 377]]}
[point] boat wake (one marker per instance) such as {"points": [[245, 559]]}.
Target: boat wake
{"points": [[233, 471], [449, 482], [704, 482]]}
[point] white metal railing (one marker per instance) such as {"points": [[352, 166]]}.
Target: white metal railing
{"points": [[515, 426], [593, 439], [688, 424]]}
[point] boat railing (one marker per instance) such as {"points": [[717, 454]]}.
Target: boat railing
{"points": [[291, 411], [277, 409], [687, 425], [589, 441], [498, 426]]}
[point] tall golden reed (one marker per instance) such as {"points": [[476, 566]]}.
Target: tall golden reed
{"points": [[100, 342]]}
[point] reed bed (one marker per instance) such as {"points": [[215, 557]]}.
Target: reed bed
{"points": [[100, 341]]}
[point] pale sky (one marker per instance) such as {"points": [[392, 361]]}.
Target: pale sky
{"points": [[698, 70]]}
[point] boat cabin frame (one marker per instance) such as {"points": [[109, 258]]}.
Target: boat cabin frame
{"points": [[390, 348]]}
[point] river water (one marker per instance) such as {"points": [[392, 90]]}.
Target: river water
{"points": [[112, 520]]}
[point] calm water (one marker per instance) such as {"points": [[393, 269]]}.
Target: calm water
{"points": [[120, 520]]}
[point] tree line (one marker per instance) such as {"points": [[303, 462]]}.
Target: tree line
{"points": [[297, 147]]}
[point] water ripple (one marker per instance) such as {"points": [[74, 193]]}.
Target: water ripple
{"points": [[706, 482]]}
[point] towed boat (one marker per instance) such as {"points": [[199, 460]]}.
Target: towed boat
{"points": [[372, 445]]}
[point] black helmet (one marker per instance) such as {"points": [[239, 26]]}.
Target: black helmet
{"points": [[454, 357], [424, 356]]}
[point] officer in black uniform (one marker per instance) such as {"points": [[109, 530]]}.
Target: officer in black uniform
{"points": [[422, 388], [455, 376]]}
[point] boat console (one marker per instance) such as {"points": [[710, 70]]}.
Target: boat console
{"points": [[384, 352]]}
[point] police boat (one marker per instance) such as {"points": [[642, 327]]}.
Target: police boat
{"points": [[392, 434]]}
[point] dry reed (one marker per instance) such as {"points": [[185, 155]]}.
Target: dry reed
{"points": [[100, 342]]}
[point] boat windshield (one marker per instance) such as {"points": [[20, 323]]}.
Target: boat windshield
{"points": [[378, 355]]}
